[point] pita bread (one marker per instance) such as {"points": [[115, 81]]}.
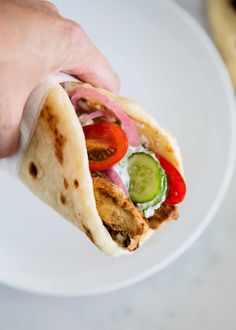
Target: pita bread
{"points": [[222, 18], [55, 164]]}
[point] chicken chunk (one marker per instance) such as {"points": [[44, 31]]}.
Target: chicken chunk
{"points": [[122, 219], [163, 214]]}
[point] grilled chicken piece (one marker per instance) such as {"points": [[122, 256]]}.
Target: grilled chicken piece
{"points": [[119, 215], [163, 214]]}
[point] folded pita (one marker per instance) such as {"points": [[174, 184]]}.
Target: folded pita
{"points": [[55, 167]]}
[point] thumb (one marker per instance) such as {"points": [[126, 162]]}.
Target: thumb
{"points": [[87, 63]]}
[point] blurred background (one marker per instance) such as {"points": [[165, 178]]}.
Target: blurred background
{"points": [[195, 292]]}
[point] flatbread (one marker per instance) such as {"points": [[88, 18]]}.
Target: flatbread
{"points": [[55, 164], [222, 19]]}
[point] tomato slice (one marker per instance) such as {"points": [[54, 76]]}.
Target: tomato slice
{"points": [[176, 185], [106, 145]]}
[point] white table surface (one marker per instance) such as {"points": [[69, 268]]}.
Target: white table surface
{"points": [[195, 292]]}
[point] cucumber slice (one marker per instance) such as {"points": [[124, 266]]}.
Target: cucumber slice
{"points": [[147, 178]]}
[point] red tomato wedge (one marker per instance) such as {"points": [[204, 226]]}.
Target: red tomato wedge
{"points": [[106, 145], [176, 184]]}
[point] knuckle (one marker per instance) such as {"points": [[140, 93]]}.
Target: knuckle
{"points": [[48, 5], [52, 6], [74, 45], [73, 32]]}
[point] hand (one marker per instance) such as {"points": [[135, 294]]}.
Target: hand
{"points": [[36, 42]]}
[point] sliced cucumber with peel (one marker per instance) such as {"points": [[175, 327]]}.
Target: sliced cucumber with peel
{"points": [[147, 178]]}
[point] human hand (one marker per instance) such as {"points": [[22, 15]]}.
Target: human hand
{"points": [[35, 43]]}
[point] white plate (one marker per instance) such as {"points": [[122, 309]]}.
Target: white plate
{"points": [[167, 63]]}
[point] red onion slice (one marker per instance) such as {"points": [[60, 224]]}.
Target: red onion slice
{"points": [[84, 118], [116, 179], [127, 123]]}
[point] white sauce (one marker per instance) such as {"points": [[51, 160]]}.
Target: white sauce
{"points": [[121, 168]]}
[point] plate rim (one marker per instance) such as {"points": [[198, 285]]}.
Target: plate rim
{"points": [[181, 13]]}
